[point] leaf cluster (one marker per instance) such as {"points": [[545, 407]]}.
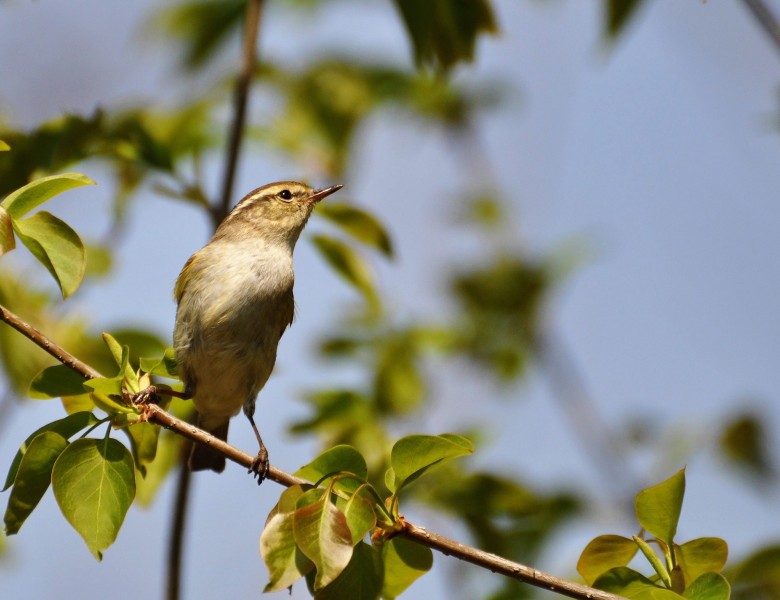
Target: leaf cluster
{"points": [[691, 570], [321, 531]]}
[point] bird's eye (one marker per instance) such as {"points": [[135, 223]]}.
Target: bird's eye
{"points": [[285, 195]]}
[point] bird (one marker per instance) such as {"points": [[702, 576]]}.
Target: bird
{"points": [[234, 301]]}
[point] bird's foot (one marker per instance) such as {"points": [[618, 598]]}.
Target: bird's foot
{"points": [[260, 466], [146, 396]]}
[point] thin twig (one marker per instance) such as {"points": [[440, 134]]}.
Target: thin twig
{"points": [[766, 19], [594, 434], [240, 100], [154, 414]]}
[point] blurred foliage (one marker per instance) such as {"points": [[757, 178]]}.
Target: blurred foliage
{"points": [[618, 14], [202, 27], [444, 32], [324, 104], [745, 445], [501, 304]]}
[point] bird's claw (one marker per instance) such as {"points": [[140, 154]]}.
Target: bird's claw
{"points": [[260, 466], [146, 396]]}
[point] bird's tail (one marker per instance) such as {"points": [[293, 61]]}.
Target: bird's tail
{"points": [[205, 458]]}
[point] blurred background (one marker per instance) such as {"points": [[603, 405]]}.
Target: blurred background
{"points": [[583, 276]]}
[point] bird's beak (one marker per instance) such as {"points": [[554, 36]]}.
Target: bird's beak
{"points": [[318, 195]]}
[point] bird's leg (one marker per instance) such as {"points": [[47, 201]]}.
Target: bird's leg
{"points": [[260, 464]]}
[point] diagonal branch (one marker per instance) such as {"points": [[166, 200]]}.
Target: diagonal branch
{"points": [[766, 19], [415, 533]]}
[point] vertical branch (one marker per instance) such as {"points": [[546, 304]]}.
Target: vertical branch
{"points": [[178, 525], [218, 212], [240, 100]]}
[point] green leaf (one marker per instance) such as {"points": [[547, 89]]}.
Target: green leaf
{"points": [[404, 563], [341, 458], [94, 484], [284, 560], [700, 556], [444, 32], [658, 507], [167, 458], [603, 553], [143, 443], [66, 427], [33, 478], [710, 586], [121, 354], [322, 533], [56, 246], [359, 512], [55, 382], [361, 579], [358, 223], [618, 14], [35, 193], [164, 367], [116, 349], [412, 455], [631, 584], [347, 263], [7, 240]]}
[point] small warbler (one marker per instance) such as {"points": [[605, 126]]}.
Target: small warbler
{"points": [[235, 300]]}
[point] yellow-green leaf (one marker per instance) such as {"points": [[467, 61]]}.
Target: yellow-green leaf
{"points": [[603, 553], [359, 512], [4, 146], [56, 246], [284, 560], [412, 455], [33, 478], [339, 459], [700, 556], [94, 484], [19, 202], [7, 240], [658, 507], [321, 532]]}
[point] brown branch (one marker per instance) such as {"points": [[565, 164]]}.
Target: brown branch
{"points": [[766, 19], [240, 100], [154, 414], [178, 526]]}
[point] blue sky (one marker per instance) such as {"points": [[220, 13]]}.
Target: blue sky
{"points": [[658, 157]]}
